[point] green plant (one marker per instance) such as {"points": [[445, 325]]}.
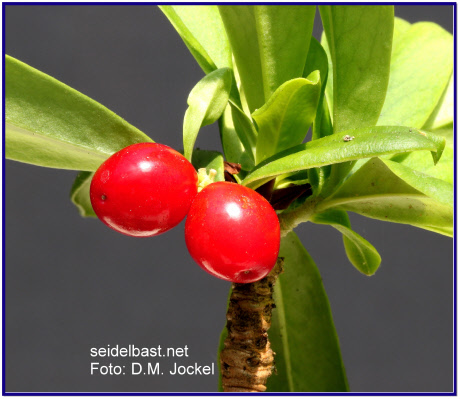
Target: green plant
{"points": [[349, 165]]}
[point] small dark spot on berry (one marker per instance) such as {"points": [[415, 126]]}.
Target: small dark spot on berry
{"points": [[246, 272], [103, 197]]}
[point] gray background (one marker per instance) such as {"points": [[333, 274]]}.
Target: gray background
{"points": [[73, 284]]}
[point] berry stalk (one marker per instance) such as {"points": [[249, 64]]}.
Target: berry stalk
{"points": [[247, 359]]}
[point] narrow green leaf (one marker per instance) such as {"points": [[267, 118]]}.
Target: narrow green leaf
{"points": [[284, 34], [269, 44], [50, 124], [203, 32], [432, 187], [79, 194], [329, 89], [359, 40], [284, 120], [245, 130], [297, 178], [444, 168], [207, 102], [317, 60], [377, 192], [231, 144], [443, 114], [364, 143], [302, 334], [322, 125], [240, 25], [360, 252], [209, 160], [420, 70]]}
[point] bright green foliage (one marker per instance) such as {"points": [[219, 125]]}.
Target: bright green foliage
{"points": [[50, 124], [421, 67], [302, 334], [360, 252], [322, 126], [359, 39], [231, 144], [442, 114], [269, 44], [284, 120], [376, 191], [443, 170], [400, 27], [436, 189], [317, 61], [367, 142], [209, 160], [206, 103], [245, 130], [79, 194], [202, 31]]}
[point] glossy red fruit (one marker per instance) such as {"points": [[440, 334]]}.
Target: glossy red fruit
{"points": [[233, 233], [143, 190]]}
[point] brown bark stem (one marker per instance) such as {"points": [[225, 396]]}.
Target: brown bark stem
{"points": [[247, 359]]}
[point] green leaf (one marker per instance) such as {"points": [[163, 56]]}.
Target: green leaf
{"points": [[367, 142], [207, 102], [385, 190], [245, 130], [360, 252], [400, 27], [203, 32], [443, 114], [329, 89], [302, 334], [317, 60], [359, 41], [297, 178], [420, 70], [421, 161], [50, 124], [434, 188], [322, 126], [79, 194], [209, 160], [269, 44], [284, 120], [231, 143]]}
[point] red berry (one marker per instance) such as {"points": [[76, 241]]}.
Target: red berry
{"points": [[233, 233], [143, 190]]}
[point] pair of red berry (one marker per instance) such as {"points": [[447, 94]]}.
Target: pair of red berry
{"points": [[145, 189]]}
